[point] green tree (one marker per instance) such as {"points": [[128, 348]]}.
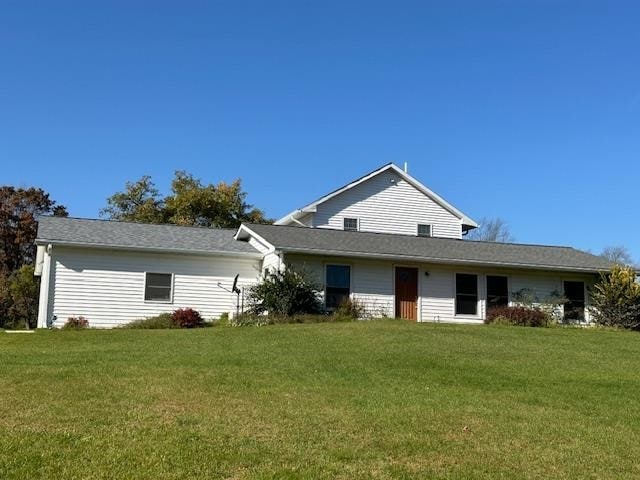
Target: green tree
{"points": [[23, 290], [139, 202], [615, 298], [190, 203], [19, 208]]}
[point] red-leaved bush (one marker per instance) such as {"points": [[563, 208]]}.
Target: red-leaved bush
{"points": [[187, 318], [76, 323], [519, 315]]}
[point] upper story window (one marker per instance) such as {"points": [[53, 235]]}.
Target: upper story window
{"points": [[158, 287], [350, 224], [424, 230]]}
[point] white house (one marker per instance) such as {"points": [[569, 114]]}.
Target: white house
{"points": [[384, 239]]}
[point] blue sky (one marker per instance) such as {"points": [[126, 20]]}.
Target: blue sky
{"points": [[525, 110]]}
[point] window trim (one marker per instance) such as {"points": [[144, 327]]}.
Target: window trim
{"points": [[430, 225], [144, 289], [357, 219], [324, 281], [478, 313]]}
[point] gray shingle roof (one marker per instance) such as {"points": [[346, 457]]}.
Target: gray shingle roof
{"points": [[439, 250], [104, 233]]}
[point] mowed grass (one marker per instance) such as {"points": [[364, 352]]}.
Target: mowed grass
{"points": [[383, 399]]}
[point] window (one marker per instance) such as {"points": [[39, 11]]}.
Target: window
{"points": [[351, 224], [157, 287], [466, 294], [574, 308], [338, 285], [424, 230], [497, 291]]}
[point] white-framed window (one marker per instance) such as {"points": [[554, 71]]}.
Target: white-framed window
{"points": [[424, 230], [337, 285], [350, 224], [158, 287], [466, 294]]}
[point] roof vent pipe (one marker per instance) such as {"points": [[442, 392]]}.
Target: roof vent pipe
{"points": [[406, 167]]}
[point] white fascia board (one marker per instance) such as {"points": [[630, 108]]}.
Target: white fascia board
{"points": [[312, 207], [244, 233], [182, 251], [435, 197]]}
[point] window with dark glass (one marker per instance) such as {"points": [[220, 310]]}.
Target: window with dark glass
{"points": [[497, 291], [424, 230], [466, 294], [337, 285], [574, 307], [157, 287], [350, 224]]}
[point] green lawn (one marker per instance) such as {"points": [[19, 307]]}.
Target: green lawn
{"points": [[381, 399]]}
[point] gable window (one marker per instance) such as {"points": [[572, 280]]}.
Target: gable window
{"points": [[158, 287], [497, 291], [574, 308], [337, 285], [466, 294], [424, 230], [350, 224]]}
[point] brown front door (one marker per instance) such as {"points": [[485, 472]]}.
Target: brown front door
{"points": [[407, 293]]}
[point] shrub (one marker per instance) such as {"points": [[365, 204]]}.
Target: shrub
{"points": [[518, 315], [76, 323], [550, 304], [164, 320], [287, 293], [350, 308], [187, 318], [615, 299], [223, 319]]}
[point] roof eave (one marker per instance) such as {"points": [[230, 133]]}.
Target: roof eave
{"points": [[182, 251], [441, 261]]}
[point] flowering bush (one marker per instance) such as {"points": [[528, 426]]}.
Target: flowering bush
{"points": [[187, 318]]}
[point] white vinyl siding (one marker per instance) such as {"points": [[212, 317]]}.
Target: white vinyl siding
{"points": [[107, 286], [271, 262], [372, 285], [370, 280], [387, 204]]}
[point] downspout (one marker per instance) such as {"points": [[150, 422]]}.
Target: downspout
{"points": [[43, 305]]}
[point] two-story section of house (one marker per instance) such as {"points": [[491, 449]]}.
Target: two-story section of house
{"points": [[387, 200], [384, 240], [388, 242]]}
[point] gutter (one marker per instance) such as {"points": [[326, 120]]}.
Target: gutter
{"points": [[217, 253], [441, 261]]}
